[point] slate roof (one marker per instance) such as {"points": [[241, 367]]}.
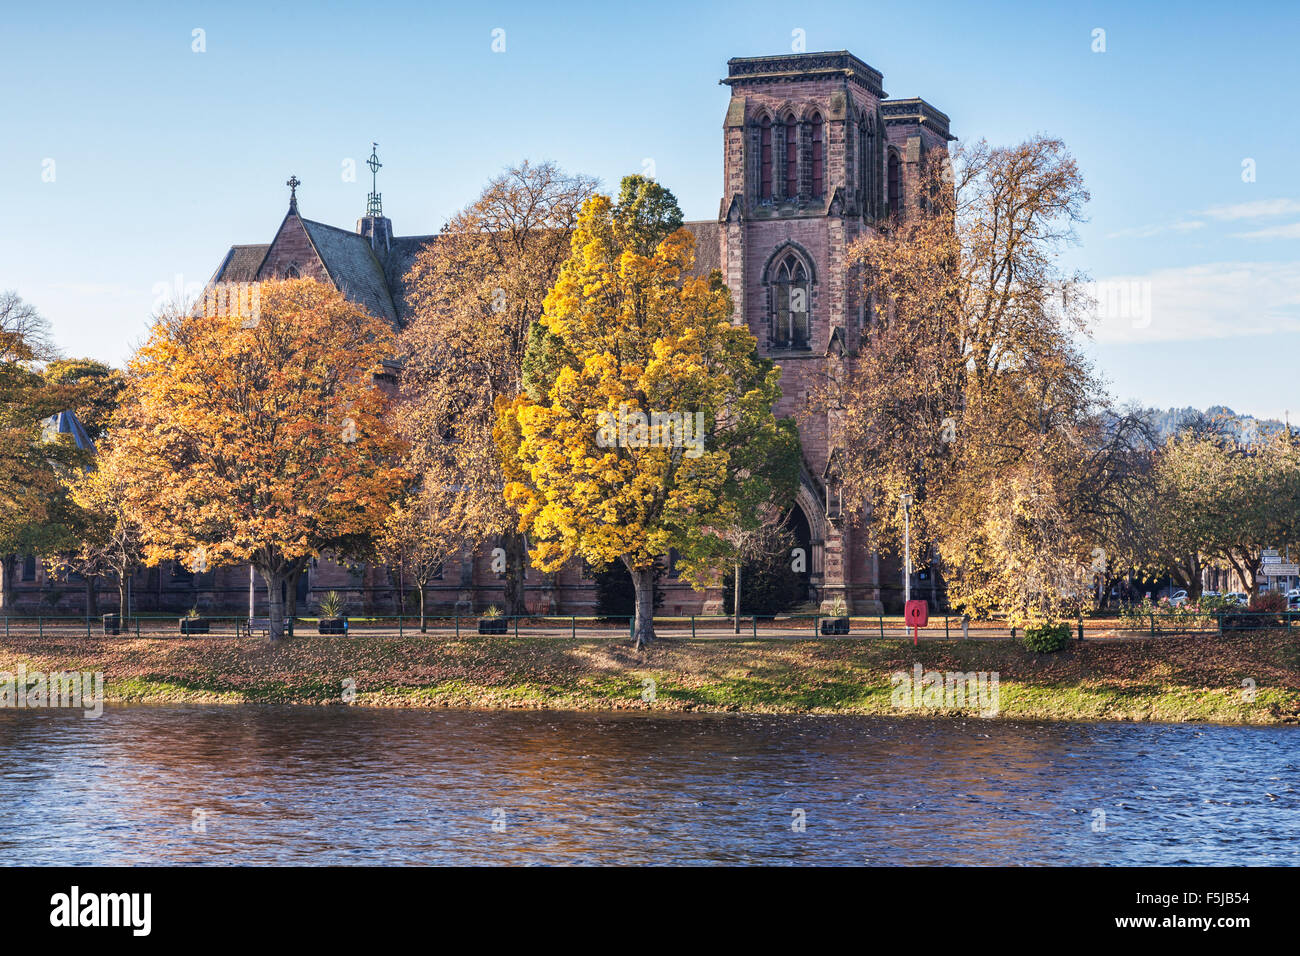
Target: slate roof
{"points": [[241, 263], [708, 254], [67, 423], [374, 278], [353, 266]]}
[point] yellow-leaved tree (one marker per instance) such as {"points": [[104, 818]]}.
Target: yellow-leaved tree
{"points": [[646, 423], [261, 438]]}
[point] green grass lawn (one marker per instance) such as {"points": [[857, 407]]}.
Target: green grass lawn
{"points": [[1188, 679]]}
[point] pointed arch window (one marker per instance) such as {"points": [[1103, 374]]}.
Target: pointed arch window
{"points": [[791, 159], [895, 186], [818, 163], [791, 301], [765, 154]]}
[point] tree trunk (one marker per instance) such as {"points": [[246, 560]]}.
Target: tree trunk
{"points": [[424, 627], [293, 598], [6, 583], [643, 627], [735, 603], [121, 597], [516, 571], [275, 602]]}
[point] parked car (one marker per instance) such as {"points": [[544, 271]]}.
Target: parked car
{"points": [[1293, 602], [1240, 598], [1178, 598]]}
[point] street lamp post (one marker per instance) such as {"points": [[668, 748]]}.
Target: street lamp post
{"points": [[907, 548]]}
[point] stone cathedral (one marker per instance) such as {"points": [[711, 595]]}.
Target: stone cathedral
{"points": [[814, 156]]}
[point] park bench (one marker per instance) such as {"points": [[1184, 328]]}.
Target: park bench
{"points": [[262, 624]]}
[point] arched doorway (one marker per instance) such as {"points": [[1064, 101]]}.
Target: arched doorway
{"points": [[801, 558]]}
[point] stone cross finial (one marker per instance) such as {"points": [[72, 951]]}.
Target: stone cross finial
{"points": [[293, 182]]}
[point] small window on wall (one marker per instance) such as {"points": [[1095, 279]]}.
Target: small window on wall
{"points": [[29, 568], [672, 563], [292, 273]]}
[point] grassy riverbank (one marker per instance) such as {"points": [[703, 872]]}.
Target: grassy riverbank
{"points": [[1187, 679]]}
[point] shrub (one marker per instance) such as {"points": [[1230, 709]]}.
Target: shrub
{"points": [[1047, 638], [331, 605], [1271, 602]]}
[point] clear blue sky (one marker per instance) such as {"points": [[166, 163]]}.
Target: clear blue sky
{"points": [[164, 157]]}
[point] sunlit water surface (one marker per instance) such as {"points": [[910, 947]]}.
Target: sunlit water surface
{"points": [[320, 785]]}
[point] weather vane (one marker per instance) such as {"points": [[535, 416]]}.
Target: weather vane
{"points": [[374, 202]]}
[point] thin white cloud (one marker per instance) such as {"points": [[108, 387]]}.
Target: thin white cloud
{"points": [[1290, 231], [1145, 232], [1256, 209], [1213, 301]]}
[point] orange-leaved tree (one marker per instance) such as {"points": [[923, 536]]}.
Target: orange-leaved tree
{"points": [[260, 436]]}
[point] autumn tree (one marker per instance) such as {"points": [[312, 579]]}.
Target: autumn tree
{"points": [[970, 391], [651, 411], [1226, 501], [261, 438], [34, 512], [410, 544], [101, 391], [760, 562], [475, 293], [110, 535]]}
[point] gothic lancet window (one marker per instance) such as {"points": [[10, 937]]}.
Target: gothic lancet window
{"points": [[818, 164], [895, 186], [791, 298], [765, 153], [791, 159], [864, 174]]}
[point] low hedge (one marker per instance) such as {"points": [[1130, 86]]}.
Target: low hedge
{"points": [[1047, 638]]}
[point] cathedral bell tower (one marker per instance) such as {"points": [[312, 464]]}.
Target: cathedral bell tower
{"points": [[808, 156]]}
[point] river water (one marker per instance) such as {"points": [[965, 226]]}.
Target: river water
{"points": [[330, 785]]}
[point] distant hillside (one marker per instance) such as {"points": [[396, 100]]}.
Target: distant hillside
{"points": [[1169, 421]]}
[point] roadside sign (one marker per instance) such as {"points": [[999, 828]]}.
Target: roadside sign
{"points": [[1272, 559], [1269, 552], [1282, 570]]}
